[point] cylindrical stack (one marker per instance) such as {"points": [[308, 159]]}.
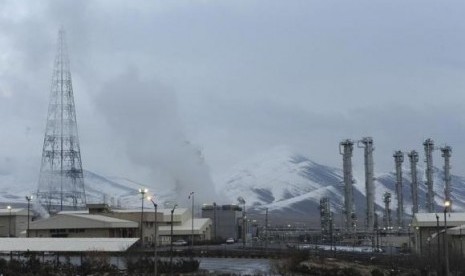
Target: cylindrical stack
{"points": [[399, 158], [367, 144], [446, 153], [346, 148], [413, 156], [429, 147], [387, 210]]}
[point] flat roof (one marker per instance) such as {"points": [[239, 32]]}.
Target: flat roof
{"points": [[73, 220], [14, 212], [430, 219], [66, 244]]}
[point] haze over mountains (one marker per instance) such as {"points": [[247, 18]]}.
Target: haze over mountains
{"points": [[280, 179]]}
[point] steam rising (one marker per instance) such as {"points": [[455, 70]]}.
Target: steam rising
{"points": [[143, 116]]}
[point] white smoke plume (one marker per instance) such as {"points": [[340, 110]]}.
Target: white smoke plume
{"points": [[144, 118]]}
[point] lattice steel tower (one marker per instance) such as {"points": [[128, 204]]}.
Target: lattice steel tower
{"points": [[61, 180]]}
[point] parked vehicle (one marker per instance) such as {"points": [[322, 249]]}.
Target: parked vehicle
{"points": [[180, 243], [230, 241]]}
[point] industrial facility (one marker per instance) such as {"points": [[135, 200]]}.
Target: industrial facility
{"points": [[404, 221]]}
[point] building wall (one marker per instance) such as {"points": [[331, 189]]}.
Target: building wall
{"points": [[85, 233], [224, 221], [18, 225]]}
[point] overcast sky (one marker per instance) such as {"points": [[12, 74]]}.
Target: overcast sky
{"points": [[155, 81]]}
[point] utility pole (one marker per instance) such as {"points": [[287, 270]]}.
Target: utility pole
{"points": [[266, 230]]}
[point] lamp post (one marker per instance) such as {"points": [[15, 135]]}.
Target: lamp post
{"points": [[241, 200], [191, 196], [28, 198], [266, 230], [408, 235], [214, 221], [9, 221], [446, 246], [155, 257], [439, 246], [142, 191], [171, 240]]}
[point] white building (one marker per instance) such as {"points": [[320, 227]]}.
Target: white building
{"points": [[100, 221]]}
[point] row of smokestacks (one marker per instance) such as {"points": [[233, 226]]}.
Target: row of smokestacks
{"points": [[346, 148]]}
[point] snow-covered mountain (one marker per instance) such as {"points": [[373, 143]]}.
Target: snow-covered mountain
{"points": [[282, 180], [288, 182]]}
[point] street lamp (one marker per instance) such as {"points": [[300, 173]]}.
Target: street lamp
{"points": [[241, 200], [28, 198], [142, 191], [408, 233], [446, 246], [171, 240], [155, 257], [439, 247], [191, 196], [9, 221]]}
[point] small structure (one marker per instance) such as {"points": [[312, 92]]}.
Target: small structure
{"points": [[427, 227], [225, 220], [182, 224], [100, 221], [13, 222], [67, 225]]}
